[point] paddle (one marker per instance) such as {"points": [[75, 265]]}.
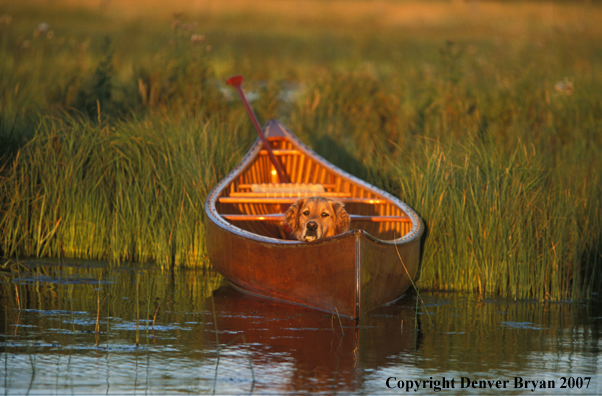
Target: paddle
{"points": [[236, 82]]}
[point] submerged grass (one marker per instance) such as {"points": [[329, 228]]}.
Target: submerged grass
{"points": [[491, 131]]}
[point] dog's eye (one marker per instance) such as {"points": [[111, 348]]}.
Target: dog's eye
{"points": [[325, 214], [306, 213]]}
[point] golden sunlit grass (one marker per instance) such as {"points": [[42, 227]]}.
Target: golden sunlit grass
{"points": [[486, 117]]}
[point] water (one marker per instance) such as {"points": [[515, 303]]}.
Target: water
{"points": [[89, 328]]}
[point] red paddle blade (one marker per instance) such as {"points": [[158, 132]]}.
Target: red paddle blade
{"points": [[235, 81]]}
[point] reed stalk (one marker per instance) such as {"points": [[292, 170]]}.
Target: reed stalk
{"points": [[340, 323], [98, 304], [217, 346], [137, 309], [417, 290]]}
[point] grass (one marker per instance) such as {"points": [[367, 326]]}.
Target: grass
{"points": [[485, 117], [133, 191], [503, 225]]}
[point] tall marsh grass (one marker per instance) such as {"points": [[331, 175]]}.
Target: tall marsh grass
{"points": [[491, 131], [132, 191], [501, 223]]}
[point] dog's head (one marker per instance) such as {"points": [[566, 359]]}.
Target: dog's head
{"points": [[316, 217]]}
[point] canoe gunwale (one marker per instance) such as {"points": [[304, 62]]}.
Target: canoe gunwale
{"points": [[212, 198]]}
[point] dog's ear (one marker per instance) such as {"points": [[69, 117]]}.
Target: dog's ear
{"points": [[341, 216], [291, 216]]}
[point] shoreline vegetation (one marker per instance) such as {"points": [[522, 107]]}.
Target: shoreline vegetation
{"points": [[483, 116]]}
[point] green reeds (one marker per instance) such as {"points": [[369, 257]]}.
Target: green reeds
{"points": [[494, 137], [502, 223], [134, 191]]}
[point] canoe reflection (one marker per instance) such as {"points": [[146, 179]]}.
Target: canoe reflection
{"points": [[322, 352]]}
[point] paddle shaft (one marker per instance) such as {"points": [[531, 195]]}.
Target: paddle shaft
{"points": [[236, 82]]}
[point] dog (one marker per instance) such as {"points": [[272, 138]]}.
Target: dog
{"points": [[317, 217]]}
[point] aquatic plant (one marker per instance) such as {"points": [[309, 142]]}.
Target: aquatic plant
{"points": [[500, 223], [132, 191], [492, 132]]}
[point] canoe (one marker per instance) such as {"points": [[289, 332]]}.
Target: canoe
{"points": [[349, 274]]}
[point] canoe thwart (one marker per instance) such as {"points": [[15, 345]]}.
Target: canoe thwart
{"points": [[288, 194], [279, 217], [287, 188], [246, 186], [281, 152], [238, 198]]}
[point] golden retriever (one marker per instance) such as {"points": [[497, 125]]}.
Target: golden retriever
{"points": [[315, 218]]}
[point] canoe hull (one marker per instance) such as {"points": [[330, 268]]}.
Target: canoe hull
{"points": [[349, 274]]}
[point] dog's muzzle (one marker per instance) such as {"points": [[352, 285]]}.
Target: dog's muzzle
{"points": [[311, 231]]}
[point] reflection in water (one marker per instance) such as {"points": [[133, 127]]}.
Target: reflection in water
{"points": [[91, 328], [317, 352]]}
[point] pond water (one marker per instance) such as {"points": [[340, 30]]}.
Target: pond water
{"points": [[83, 327]]}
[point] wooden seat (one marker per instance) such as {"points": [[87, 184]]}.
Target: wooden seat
{"points": [[282, 190], [266, 192]]}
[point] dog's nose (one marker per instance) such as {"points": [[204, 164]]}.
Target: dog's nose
{"points": [[312, 226]]}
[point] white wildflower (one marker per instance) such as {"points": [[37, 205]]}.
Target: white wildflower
{"points": [[565, 86]]}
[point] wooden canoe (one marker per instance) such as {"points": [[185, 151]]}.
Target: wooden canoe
{"points": [[350, 274]]}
